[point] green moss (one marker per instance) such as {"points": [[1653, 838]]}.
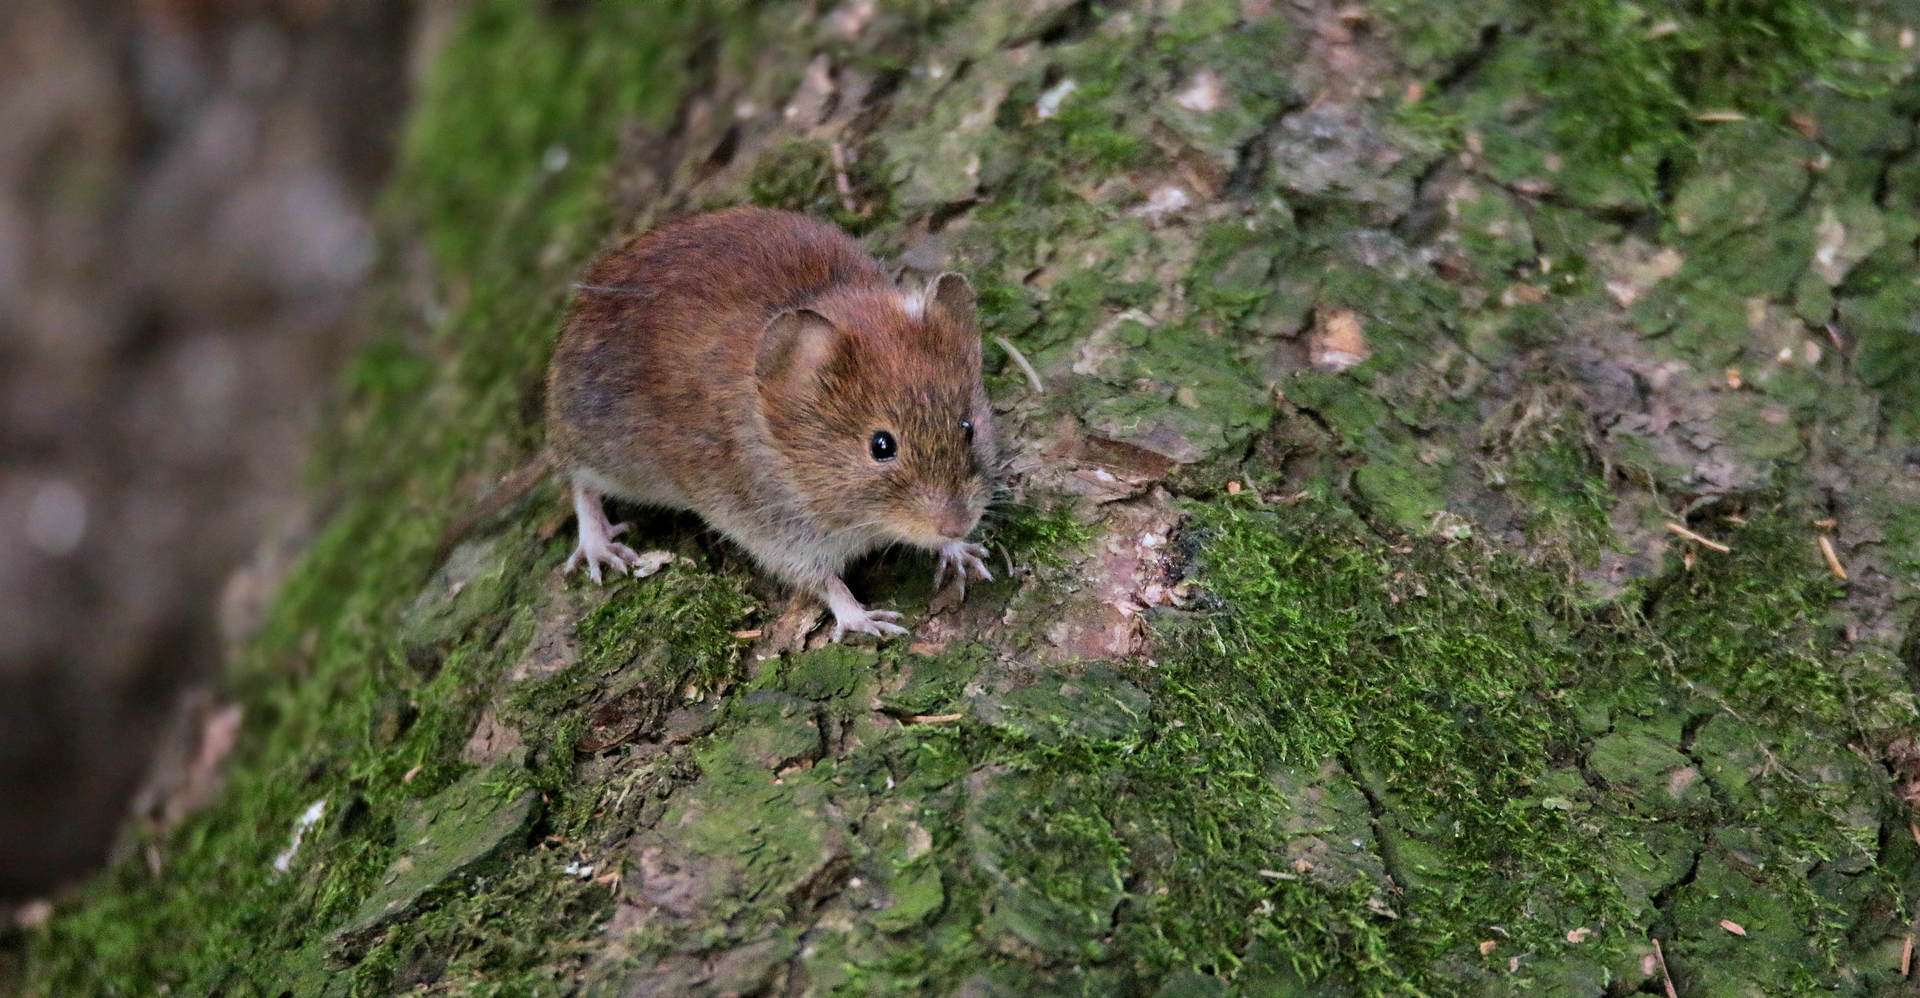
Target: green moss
{"points": [[1046, 531], [1619, 86], [801, 176]]}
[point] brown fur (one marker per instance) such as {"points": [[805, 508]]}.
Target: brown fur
{"points": [[738, 363]]}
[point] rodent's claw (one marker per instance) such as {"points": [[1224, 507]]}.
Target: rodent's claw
{"points": [[618, 557], [963, 558], [879, 623]]}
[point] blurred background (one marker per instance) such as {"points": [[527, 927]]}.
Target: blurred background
{"points": [[185, 195]]}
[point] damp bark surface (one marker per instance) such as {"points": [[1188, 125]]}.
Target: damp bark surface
{"points": [[1459, 529]]}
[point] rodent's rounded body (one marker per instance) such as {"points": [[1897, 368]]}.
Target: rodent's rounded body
{"points": [[743, 364]]}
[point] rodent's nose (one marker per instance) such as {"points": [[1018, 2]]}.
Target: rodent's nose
{"points": [[955, 523]]}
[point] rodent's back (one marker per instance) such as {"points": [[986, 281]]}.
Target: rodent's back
{"points": [[655, 364]]}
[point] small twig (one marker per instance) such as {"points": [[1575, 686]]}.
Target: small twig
{"points": [[932, 718], [1833, 559], [1906, 956], [1004, 553], [748, 635], [1665, 977], [1697, 539], [1021, 359]]}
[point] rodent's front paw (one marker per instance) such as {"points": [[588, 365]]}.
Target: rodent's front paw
{"points": [[962, 557], [878, 623]]}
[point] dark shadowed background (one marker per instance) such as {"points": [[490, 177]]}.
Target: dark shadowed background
{"points": [[185, 190]]}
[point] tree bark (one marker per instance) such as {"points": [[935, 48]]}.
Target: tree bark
{"points": [[1458, 533]]}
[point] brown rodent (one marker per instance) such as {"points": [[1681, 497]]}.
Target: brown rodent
{"points": [[758, 368]]}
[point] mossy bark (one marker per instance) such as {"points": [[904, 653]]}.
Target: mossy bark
{"points": [[1459, 533]]}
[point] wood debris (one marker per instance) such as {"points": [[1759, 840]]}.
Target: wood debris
{"points": [[1665, 977], [1696, 538], [1833, 558]]}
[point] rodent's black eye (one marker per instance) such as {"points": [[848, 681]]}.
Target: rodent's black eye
{"points": [[967, 426], [883, 447]]}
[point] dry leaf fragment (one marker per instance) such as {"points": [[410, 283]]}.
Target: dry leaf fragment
{"points": [[1486, 946], [1523, 294], [1579, 935], [1338, 340], [1732, 926], [1633, 276], [1733, 378]]}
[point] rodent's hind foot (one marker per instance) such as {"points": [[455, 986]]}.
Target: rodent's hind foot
{"points": [[961, 557], [596, 547], [850, 617], [617, 557]]}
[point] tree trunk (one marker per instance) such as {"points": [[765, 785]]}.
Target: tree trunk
{"points": [[1457, 537]]}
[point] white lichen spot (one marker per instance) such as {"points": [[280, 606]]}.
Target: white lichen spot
{"points": [[1634, 267], [1049, 103], [301, 826], [1202, 94], [1829, 238], [919, 841], [848, 20], [1681, 780], [1162, 202]]}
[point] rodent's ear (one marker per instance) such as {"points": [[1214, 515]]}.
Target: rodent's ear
{"points": [[950, 295], [793, 348]]}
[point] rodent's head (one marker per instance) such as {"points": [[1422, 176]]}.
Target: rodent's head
{"points": [[874, 396]]}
